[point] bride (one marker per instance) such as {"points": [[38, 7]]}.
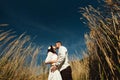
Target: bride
{"points": [[51, 59]]}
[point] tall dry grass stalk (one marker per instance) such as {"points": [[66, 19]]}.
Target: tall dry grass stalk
{"points": [[80, 69], [18, 58], [103, 41]]}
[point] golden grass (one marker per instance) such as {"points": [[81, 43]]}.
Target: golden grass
{"points": [[80, 69], [103, 41], [18, 57], [18, 60]]}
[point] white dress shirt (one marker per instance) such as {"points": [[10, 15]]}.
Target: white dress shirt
{"points": [[62, 61]]}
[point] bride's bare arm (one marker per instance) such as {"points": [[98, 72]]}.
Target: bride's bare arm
{"points": [[51, 62]]}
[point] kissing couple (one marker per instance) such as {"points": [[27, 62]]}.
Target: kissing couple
{"points": [[59, 67]]}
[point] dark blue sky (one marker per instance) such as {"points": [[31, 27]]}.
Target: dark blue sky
{"points": [[49, 20]]}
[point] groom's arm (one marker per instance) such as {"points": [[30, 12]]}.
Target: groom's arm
{"points": [[61, 57]]}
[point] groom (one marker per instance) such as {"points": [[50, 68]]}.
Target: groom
{"points": [[62, 62]]}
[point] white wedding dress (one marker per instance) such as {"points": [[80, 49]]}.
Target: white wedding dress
{"points": [[53, 75]]}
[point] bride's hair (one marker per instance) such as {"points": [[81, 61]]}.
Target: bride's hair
{"points": [[51, 49]]}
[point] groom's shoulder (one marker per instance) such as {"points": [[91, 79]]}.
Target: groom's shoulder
{"points": [[63, 47]]}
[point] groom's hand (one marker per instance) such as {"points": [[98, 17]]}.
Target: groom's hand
{"points": [[53, 69]]}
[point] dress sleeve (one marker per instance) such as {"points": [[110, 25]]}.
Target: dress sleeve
{"points": [[48, 58]]}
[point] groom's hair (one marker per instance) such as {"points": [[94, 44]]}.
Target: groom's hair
{"points": [[59, 42]]}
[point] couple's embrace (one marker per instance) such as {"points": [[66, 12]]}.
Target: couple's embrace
{"points": [[60, 68]]}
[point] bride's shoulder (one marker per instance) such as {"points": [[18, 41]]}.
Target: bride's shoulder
{"points": [[50, 53]]}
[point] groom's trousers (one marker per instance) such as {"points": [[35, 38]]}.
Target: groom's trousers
{"points": [[66, 74]]}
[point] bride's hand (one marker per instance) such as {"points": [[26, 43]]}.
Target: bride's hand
{"points": [[53, 68]]}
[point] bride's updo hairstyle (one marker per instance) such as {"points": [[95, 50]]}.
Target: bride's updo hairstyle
{"points": [[51, 49]]}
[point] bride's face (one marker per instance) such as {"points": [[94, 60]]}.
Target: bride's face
{"points": [[54, 48]]}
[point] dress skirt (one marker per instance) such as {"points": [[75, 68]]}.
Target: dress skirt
{"points": [[54, 75]]}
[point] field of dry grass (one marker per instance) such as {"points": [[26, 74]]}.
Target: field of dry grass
{"points": [[18, 60], [18, 55], [80, 69], [103, 41]]}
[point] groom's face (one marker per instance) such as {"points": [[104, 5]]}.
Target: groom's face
{"points": [[57, 45]]}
